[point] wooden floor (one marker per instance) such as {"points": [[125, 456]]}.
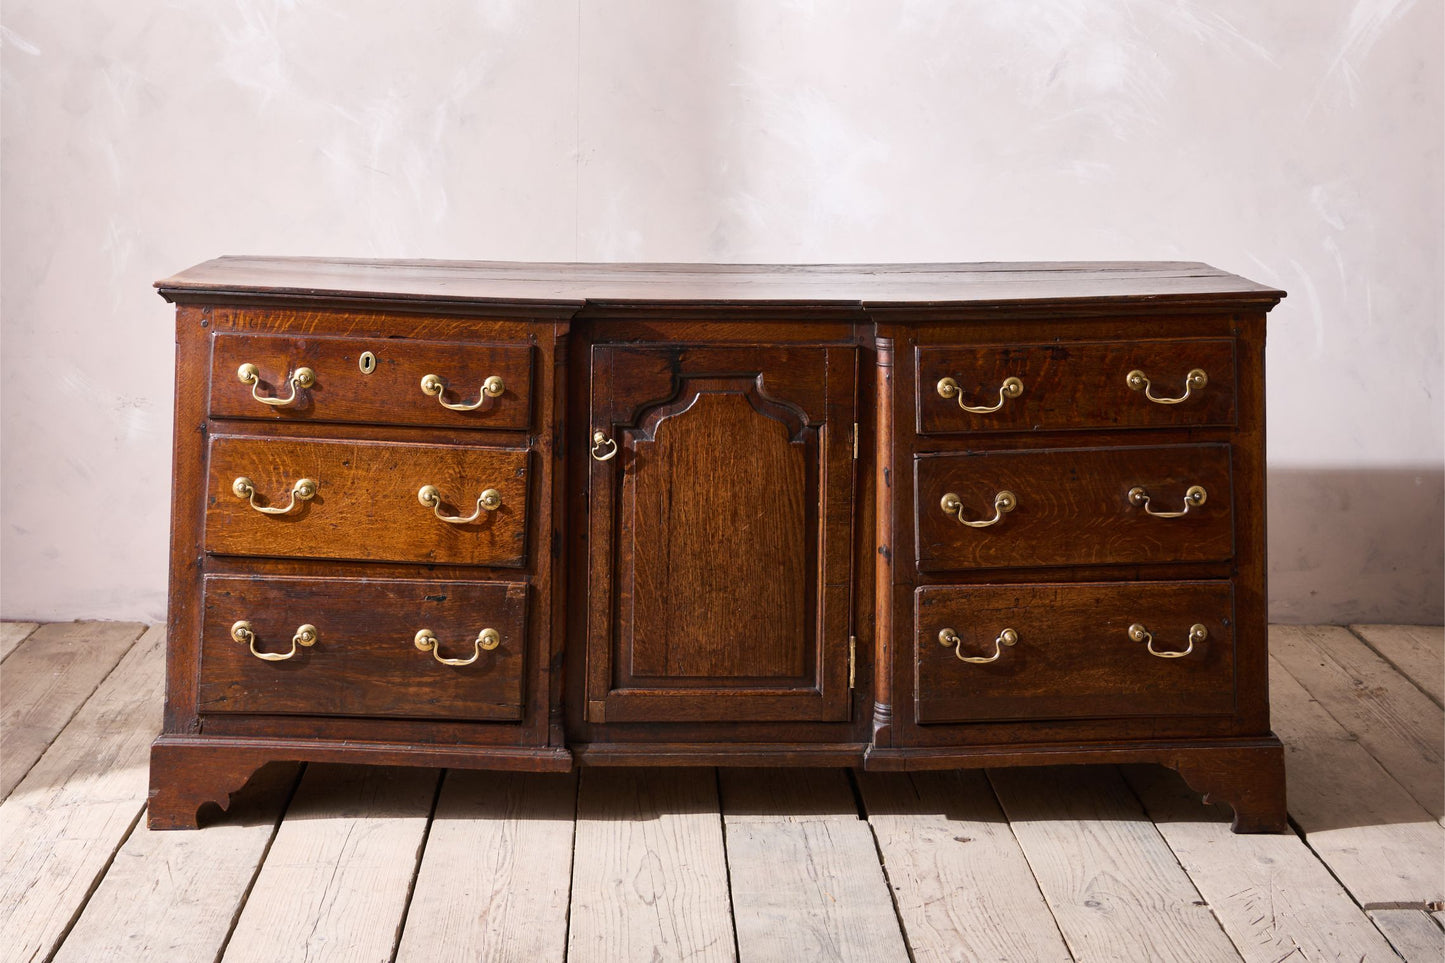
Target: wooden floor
{"points": [[353, 864]]}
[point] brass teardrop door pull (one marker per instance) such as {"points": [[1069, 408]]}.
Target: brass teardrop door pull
{"points": [[249, 374], [600, 451], [486, 641], [948, 637], [434, 386], [1138, 381], [1003, 503], [1011, 388], [1197, 633], [303, 491], [1194, 496], [242, 632], [489, 500]]}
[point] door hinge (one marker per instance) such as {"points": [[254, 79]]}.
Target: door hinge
{"points": [[855, 441], [852, 661]]}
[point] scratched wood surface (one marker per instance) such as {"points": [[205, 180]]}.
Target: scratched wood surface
{"points": [[344, 862]]}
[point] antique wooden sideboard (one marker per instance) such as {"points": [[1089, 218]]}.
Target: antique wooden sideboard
{"points": [[530, 516]]}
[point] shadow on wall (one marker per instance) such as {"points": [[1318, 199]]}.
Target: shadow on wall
{"points": [[1357, 545]]}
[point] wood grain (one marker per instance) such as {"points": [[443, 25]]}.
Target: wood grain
{"points": [[1075, 385], [496, 876], [1273, 897], [175, 896], [336, 879], [47, 680], [1398, 724], [963, 888], [1072, 507], [806, 882], [1417, 651], [649, 878], [364, 661], [65, 820], [12, 634], [1113, 885]]}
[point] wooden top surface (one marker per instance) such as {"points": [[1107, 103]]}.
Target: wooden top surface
{"points": [[845, 284]]}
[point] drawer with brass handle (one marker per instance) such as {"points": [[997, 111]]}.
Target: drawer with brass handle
{"points": [[383, 381], [354, 647], [1089, 384], [1074, 651], [363, 500], [1084, 506]]}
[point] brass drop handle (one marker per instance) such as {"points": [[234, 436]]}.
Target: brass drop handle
{"points": [[489, 500], [1194, 496], [1138, 381], [1003, 503], [242, 632], [249, 374], [600, 451], [948, 637], [1197, 633], [1011, 388], [303, 491], [433, 386], [487, 640]]}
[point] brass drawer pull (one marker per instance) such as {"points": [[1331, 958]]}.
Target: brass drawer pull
{"points": [[249, 374], [1197, 633], [489, 500], [303, 491], [242, 632], [487, 640], [1194, 496], [1011, 388], [949, 637], [433, 386], [600, 451], [1138, 381], [1003, 503]]}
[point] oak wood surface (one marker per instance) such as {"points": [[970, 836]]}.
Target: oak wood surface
{"points": [[1075, 385], [46, 680], [12, 634], [366, 504], [1416, 651], [390, 394], [1074, 656], [1073, 507], [363, 661]]}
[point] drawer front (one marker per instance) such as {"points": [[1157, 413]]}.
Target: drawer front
{"points": [[1074, 507], [362, 659], [366, 505], [1072, 655], [1076, 385], [390, 393]]}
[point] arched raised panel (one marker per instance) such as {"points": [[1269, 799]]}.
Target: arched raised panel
{"points": [[713, 583]]}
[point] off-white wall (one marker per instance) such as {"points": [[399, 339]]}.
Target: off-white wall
{"points": [[1297, 143]]}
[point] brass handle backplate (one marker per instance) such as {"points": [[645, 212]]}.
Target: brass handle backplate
{"points": [[1138, 381], [249, 374], [1194, 496], [1011, 388], [434, 386], [1197, 633], [600, 451], [948, 637], [242, 632], [489, 500], [303, 491], [1003, 503], [486, 641]]}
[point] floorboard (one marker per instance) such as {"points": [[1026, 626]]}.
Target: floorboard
{"points": [[71, 812], [649, 877], [1418, 651], [12, 634], [962, 885], [46, 680]]}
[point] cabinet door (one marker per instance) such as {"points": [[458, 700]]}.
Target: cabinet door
{"points": [[720, 533]]}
